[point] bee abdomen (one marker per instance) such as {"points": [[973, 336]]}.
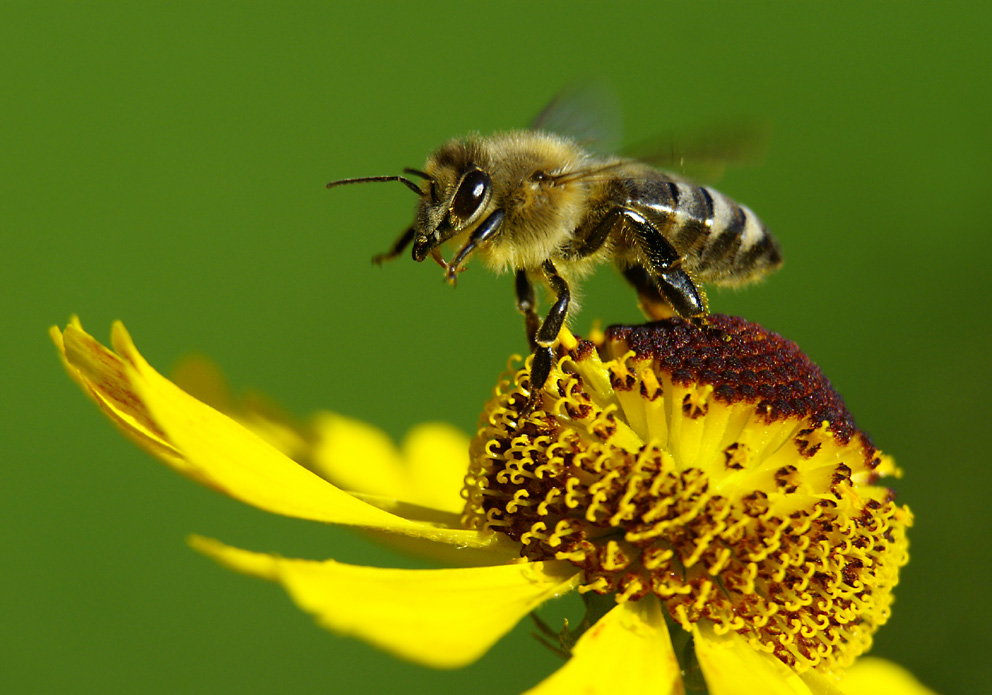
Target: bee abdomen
{"points": [[683, 212], [694, 218], [739, 247], [719, 240]]}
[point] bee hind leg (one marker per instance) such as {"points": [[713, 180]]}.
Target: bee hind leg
{"points": [[663, 268], [667, 293], [548, 332], [649, 297], [682, 293], [663, 286]]}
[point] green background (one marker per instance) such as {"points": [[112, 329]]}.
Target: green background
{"points": [[164, 164]]}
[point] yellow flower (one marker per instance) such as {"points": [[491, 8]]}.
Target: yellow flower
{"points": [[709, 484]]}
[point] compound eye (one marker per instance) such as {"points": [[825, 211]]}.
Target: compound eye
{"points": [[471, 194]]}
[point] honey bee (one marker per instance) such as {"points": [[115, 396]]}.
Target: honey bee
{"points": [[540, 204]]}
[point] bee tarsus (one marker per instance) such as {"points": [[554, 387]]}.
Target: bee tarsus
{"points": [[548, 332]]}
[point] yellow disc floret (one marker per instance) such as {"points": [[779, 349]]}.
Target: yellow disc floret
{"points": [[716, 469]]}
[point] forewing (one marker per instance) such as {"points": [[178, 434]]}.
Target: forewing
{"points": [[703, 155], [590, 114], [587, 112]]}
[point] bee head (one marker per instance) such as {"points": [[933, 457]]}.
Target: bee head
{"points": [[459, 192]]}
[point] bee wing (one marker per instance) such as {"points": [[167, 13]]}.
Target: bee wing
{"points": [[705, 154], [587, 112]]}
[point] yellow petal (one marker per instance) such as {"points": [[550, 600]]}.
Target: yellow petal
{"points": [[732, 667], [244, 466], [871, 676], [627, 651], [102, 376], [436, 456], [202, 379], [442, 618], [428, 470], [216, 451]]}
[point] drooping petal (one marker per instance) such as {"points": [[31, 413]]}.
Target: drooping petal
{"points": [[436, 457], [202, 379], [211, 448], [428, 469], [443, 618], [871, 676], [733, 667], [627, 651], [102, 376]]}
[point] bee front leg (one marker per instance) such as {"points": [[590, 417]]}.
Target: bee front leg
{"points": [[548, 332], [396, 249], [484, 232], [527, 305]]}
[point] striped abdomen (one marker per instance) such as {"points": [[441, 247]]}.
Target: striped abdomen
{"points": [[721, 241]]}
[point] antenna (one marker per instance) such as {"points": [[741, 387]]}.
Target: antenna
{"points": [[371, 179]]}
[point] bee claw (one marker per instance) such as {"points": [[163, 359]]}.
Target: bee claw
{"points": [[451, 273], [436, 257], [530, 405]]}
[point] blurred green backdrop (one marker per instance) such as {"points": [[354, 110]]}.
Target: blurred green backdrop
{"points": [[164, 164]]}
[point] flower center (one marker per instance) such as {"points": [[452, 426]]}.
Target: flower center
{"points": [[714, 468]]}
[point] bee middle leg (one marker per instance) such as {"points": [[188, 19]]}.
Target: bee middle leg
{"points": [[527, 305], [548, 332]]}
